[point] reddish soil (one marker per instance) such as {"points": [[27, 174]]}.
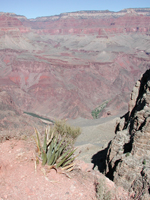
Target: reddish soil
{"points": [[21, 178]]}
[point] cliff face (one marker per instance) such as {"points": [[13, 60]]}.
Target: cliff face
{"points": [[67, 65], [100, 23], [128, 157]]}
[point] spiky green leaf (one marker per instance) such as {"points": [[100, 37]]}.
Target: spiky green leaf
{"points": [[64, 157], [69, 161], [45, 143], [44, 157], [50, 161]]}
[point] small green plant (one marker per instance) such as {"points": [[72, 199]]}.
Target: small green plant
{"points": [[56, 151], [144, 162], [127, 154]]}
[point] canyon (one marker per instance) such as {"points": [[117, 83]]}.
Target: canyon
{"points": [[67, 65]]}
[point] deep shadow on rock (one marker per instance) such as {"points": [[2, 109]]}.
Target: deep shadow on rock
{"points": [[99, 159], [126, 160]]}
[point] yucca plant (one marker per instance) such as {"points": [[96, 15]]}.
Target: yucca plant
{"points": [[56, 150]]}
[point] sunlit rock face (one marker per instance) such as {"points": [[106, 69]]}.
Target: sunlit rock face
{"points": [[128, 156], [67, 65]]}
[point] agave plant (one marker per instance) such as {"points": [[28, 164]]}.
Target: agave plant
{"points": [[56, 150]]}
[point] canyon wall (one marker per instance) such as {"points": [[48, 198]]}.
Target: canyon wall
{"points": [[67, 65]]}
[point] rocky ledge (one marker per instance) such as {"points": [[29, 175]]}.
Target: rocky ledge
{"points": [[128, 155]]}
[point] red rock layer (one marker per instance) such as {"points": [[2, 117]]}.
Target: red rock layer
{"points": [[67, 65]]}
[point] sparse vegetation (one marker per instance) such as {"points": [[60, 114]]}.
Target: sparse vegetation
{"points": [[57, 149], [102, 192], [144, 162], [60, 127], [127, 154], [96, 111]]}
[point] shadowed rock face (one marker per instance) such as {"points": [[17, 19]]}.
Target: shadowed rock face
{"points": [[128, 156], [67, 65]]}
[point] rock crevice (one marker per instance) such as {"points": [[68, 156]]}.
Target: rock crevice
{"points": [[128, 155]]}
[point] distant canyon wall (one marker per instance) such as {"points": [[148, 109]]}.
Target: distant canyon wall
{"points": [[67, 65]]}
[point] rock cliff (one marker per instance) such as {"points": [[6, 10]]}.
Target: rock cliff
{"points": [[128, 156]]}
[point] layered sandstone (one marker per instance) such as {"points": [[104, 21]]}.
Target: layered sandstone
{"points": [[67, 65]]}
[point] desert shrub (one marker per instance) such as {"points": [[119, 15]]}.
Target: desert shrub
{"points": [[56, 151], [60, 127], [102, 193]]}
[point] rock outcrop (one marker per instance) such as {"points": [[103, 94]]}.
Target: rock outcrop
{"points": [[128, 155]]}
